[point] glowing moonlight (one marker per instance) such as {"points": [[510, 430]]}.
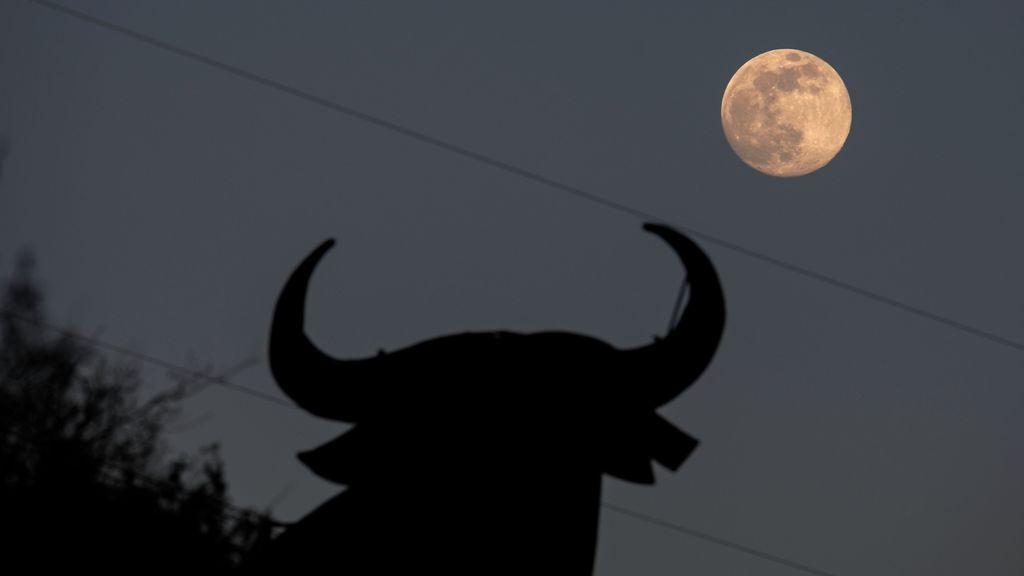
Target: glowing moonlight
{"points": [[786, 112]]}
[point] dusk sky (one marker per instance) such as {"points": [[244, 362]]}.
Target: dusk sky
{"points": [[167, 200]]}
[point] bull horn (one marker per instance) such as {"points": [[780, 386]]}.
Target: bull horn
{"points": [[324, 386], [675, 361]]}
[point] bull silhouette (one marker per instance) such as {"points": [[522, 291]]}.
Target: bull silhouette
{"points": [[482, 453]]}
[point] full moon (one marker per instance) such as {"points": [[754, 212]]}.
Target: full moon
{"points": [[786, 113]]}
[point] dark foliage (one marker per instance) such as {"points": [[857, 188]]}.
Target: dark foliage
{"points": [[85, 479]]}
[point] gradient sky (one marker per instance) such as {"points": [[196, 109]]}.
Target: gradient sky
{"points": [[167, 201]]}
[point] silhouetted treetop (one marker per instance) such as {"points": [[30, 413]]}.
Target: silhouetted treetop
{"points": [[86, 478]]}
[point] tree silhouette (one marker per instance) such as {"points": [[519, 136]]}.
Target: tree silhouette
{"points": [[86, 480]]}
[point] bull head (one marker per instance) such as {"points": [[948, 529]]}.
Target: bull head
{"points": [[642, 378]]}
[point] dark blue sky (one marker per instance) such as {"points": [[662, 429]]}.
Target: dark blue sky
{"points": [[167, 201]]}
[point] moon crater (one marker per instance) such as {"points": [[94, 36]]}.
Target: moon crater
{"points": [[786, 112]]}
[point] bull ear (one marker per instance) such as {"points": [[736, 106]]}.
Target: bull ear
{"points": [[671, 364], [640, 437], [324, 386], [344, 460]]}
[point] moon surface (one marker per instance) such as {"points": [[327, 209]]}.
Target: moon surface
{"points": [[786, 112]]}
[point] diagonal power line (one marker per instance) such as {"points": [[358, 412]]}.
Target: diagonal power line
{"points": [[197, 375], [716, 540], [523, 173]]}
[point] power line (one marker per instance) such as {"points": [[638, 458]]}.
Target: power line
{"points": [[523, 173], [716, 540], [189, 372], [227, 374], [184, 391]]}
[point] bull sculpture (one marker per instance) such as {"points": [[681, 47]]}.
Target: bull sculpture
{"points": [[482, 453]]}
